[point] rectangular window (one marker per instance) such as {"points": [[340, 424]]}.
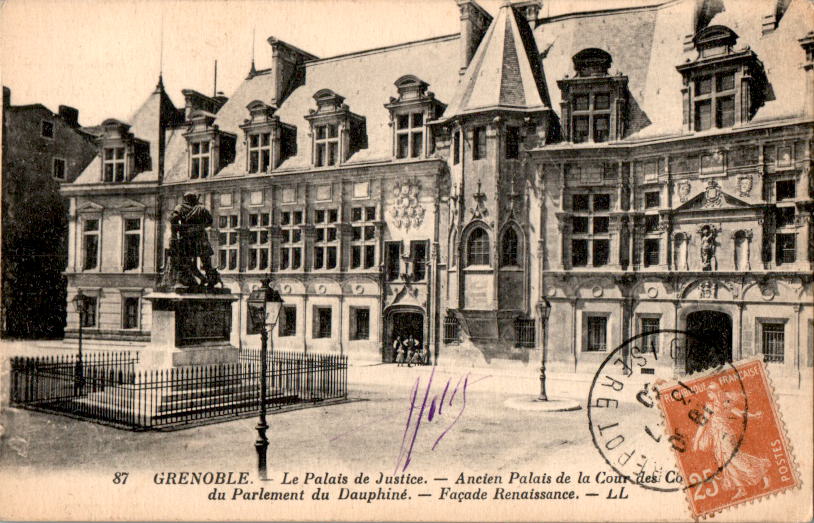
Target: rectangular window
{"points": [[512, 143], [132, 243], [363, 238], [47, 129], [456, 147], [784, 216], [597, 331], [773, 341], [130, 313], [199, 155], [452, 329], [601, 224], [601, 128], [725, 111], [581, 102], [601, 252], [227, 242], [326, 244], [785, 248], [785, 190], [418, 253], [409, 135], [525, 331], [651, 252], [650, 342], [291, 241], [703, 115], [601, 202], [652, 200], [288, 321], [259, 242], [478, 143], [392, 260], [703, 85], [651, 223], [113, 164], [322, 322], [579, 202], [725, 82], [579, 253], [58, 170], [360, 329], [326, 145], [581, 130], [602, 101], [259, 152], [90, 244], [579, 224], [91, 312]]}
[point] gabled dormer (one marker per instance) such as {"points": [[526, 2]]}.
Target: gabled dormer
{"points": [[123, 155], [593, 100], [723, 86], [336, 132], [209, 149], [409, 114], [268, 141]]}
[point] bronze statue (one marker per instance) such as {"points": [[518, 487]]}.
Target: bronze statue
{"points": [[189, 243]]}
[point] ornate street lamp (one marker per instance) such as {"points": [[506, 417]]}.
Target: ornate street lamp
{"points": [[80, 303], [545, 311], [264, 307]]}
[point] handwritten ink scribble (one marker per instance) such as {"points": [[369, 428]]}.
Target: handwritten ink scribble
{"points": [[435, 414]]}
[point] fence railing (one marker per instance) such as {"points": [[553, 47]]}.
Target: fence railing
{"points": [[119, 394]]}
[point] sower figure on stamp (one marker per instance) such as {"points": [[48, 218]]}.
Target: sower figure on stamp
{"points": [[188, 243]]}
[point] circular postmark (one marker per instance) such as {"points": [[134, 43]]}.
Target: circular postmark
{"points": [[626, 423]]}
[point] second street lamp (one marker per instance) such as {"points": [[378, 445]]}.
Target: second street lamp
{"points": [[80, 303], [545, 311], [264, 307]]}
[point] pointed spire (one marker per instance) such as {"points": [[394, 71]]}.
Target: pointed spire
{"points": [[159, 87], [252, 71]]}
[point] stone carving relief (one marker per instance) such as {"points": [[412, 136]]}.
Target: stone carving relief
{"points": [[684, 191], [708, 289], [745, 185], [480, 211], [712, 195], [708, 234], [407, 211]]}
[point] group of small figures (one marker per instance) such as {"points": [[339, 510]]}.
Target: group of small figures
{"points": [[410, 351]]}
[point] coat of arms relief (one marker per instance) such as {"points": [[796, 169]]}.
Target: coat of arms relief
{"points": [[407, 211]]}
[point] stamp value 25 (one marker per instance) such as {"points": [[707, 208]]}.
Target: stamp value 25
{"points": [[728, 437]]}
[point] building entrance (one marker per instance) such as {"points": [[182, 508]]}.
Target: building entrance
{"points": [[401, 325], [710, 343]]}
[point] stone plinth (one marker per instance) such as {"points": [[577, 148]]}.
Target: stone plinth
{"points": [[190, 329]]}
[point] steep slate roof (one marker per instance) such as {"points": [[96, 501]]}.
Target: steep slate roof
{"points": [[505, 71], [646, 45]]}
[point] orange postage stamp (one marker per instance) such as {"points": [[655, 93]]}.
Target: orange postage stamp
{"points": [[728, 437]]}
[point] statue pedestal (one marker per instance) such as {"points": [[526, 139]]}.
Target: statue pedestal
{"points": [[190, 329]]}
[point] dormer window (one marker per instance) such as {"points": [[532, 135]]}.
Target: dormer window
{"points": [[326, 145], [200, 159], [409, 115], [209, 148], [722, 87], [594, 102], [269, 142], [123, 155], [336, 132]]}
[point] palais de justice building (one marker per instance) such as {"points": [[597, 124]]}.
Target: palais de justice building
{"points": [[639, 169]]}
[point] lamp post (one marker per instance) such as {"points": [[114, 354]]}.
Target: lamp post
{"points": [[80, 303], [545, 311], [264, 307]]}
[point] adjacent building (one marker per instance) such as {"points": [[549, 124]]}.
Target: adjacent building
{"points": [[41, 151], [637, 169]]}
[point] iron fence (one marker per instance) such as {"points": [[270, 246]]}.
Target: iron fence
{"points": [[116, 392]]}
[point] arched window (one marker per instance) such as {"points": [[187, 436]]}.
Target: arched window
{"points": [[510, 248], [477, 247]]}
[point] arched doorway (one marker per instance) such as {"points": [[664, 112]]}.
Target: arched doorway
{"points": [[402, 322], [710, 343]]}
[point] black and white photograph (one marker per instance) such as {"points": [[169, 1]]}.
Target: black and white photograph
{"points": [[429, 260]]}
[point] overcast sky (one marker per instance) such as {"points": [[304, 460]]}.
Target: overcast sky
{"points": [[103, 56]]}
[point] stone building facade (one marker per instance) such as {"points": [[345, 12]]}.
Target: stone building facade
{"points": [[41, 151], [639, 169]]}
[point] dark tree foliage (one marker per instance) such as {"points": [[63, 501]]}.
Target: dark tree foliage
{"points": [[35, 225]]}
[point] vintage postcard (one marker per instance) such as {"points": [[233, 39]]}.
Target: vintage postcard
{"points": [[437, 260]]}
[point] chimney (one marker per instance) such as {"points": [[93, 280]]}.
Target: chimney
{"points": [[530, 9], [474, 23], [807, 43], [70, 115], [287, 68]]}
